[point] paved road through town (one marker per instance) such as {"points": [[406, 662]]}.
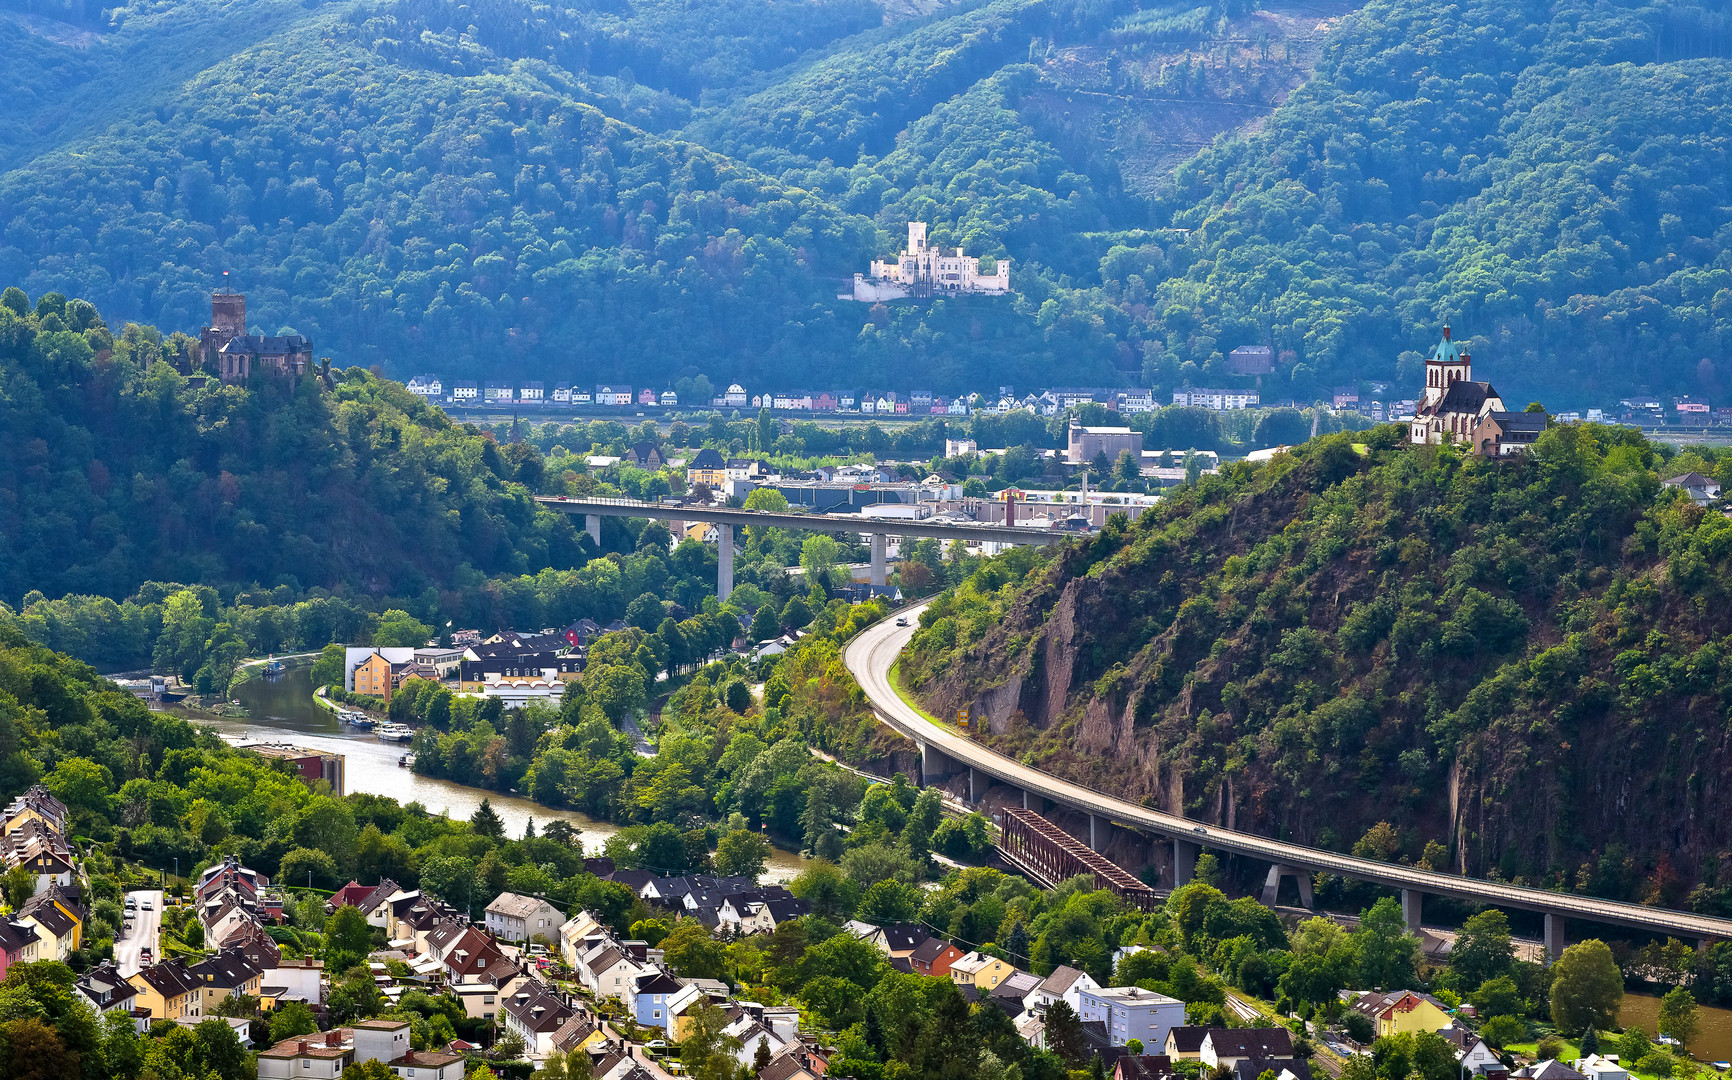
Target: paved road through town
{"points": [[870, 655], [145, 927]]}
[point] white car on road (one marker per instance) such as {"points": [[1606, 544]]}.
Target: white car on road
{"points": [[138, 936]]}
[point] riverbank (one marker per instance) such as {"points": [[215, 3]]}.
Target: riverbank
{"points": [[284, 710], [1713, 1040]]}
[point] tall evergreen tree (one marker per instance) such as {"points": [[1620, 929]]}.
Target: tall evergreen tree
{"points": [[487, 821], [949, 1047]]}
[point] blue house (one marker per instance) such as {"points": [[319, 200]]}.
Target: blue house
{"points": [[650, 1002]]}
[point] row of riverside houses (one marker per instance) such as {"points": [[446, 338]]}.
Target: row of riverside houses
{"points": [[517, 667], [919, 403]]}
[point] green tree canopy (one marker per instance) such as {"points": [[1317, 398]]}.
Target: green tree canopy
{"points": [[1587, 987]]}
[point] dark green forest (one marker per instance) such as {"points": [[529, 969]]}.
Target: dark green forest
{"points": [[1515, 668], [648, 190], [117, 470]]}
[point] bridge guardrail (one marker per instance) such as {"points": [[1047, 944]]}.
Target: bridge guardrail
{"points": [[1495, 893]]}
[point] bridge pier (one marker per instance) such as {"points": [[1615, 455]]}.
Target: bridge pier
{"points": [[1554, 937], [1096, 833], [1412, 904], [1025, 798], [1272, 887], [724, 560], [1184, 861], [935, 767], [592, 526], [975, 788], [880, 549]]}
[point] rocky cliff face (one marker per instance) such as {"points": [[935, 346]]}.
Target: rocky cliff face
{"points": [[1521, 661]]}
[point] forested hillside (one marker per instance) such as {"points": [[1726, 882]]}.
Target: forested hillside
{"points": [[648, 190], [1520, 667], [115, 470]]}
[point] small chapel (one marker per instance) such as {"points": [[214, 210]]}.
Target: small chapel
{"points": [[1454, 404], [1456, 409]]}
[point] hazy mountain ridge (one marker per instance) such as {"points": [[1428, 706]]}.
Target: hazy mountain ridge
{"points": [[412, 185]]}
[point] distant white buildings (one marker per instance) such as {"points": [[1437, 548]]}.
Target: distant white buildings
{"points": [[1203, 397], [923, 271], [426, 386]]}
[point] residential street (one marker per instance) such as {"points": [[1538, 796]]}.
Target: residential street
{"points": [[145, 925]]}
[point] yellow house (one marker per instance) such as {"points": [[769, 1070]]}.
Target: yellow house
{"points": [[169, 992], [980, 971], [707, 466], [373, 676], [580, 1034], [34, 805], [222, 975], [1402, 1012], [57, 931], [62, 922], [682, 1008]]}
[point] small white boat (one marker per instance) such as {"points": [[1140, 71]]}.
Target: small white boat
{"points": [[394, 732]]}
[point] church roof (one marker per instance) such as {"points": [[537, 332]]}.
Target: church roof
{"points": [[1463, 397], [1448, 351], [267, 346], [1525, 423]]}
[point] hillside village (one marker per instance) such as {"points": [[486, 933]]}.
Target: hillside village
{"points": [[536, 985], [544, 985]]}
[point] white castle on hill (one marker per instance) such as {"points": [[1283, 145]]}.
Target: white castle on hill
{"points": [[924, 270]]}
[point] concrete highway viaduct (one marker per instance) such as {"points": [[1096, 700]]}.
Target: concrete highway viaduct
{"points": [[944, 751], [878, 529]]}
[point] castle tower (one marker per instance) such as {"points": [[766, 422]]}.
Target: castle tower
{"points": [[228, 313], [228, 320], [916, 237], [1447, 364]]}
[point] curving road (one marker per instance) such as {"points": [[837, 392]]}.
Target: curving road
{"points": [[870, 655]]}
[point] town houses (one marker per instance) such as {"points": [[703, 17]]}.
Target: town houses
{"points": [[49, 925], [914, 404], [525, 976]]}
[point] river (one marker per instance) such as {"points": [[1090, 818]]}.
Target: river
{"points": [[1713, 1030], [282, 710]]}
